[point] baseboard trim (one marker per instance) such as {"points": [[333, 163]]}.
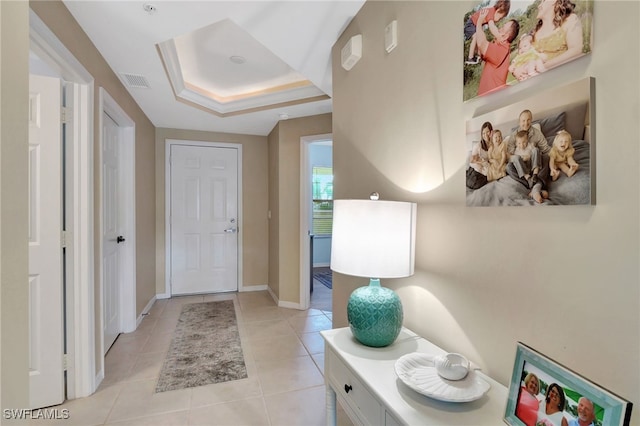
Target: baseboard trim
{"points": [[290, 305], [145, 311], [283, 304], [99, 378], [273, 295], [253, 288]]}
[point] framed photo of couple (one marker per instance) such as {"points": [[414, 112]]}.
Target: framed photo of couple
{"points": [[509, 41], [545, 393]]}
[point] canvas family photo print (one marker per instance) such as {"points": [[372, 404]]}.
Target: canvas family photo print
{"points": [[535, 152], [508, 41]]}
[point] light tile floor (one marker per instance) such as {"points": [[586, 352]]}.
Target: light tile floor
{"points": [[321, 297], [284, 355]]}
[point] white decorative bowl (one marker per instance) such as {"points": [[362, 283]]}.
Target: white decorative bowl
{"points": [[417, 371], [452, 366]]}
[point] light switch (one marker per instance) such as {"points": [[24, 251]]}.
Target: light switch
{"points": [[391, 36]]}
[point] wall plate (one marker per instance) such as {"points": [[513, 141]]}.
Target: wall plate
{"points": [[391, 36]]}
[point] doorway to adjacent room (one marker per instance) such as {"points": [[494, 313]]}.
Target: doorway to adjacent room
{"points": [[320, 202]]}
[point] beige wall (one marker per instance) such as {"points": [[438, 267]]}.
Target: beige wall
{"points": [[564, 280], [14, 143], [255, 193], [284, 146]]}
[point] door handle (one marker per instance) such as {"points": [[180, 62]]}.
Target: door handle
{"points": [[231, 230], [120, 239]]}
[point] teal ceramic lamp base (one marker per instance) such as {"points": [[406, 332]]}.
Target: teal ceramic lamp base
{"points": [[375, 314]]}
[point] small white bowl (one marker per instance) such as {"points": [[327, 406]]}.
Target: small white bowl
{"points": [[452, 366]]}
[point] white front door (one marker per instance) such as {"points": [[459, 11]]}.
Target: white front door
{"points": [[111, 230], [46, 383], [204, 219]]}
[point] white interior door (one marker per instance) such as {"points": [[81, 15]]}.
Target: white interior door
{"points": [[46, 375], [112, 239], [204, 219]]}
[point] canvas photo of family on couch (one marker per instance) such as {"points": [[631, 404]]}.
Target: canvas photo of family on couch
{"points": [[539, 151], [509, 41]]}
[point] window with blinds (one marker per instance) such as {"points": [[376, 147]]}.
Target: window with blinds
{"points": [[322, 194]]}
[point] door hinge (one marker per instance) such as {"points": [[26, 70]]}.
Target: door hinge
{"points": [[65, 114], [64, 238], [65, 364]]}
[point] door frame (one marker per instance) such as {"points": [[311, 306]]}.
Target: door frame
{"points": [[305, 215], [79, 262], [167, 212], [126, 156]]}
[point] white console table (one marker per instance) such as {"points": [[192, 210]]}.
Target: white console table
{"points": [[363, 379]]}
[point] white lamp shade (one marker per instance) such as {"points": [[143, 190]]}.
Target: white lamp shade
{"points": [[373, 239]]}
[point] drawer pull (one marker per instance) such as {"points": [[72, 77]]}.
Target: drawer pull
{"points": [[347, 388]]}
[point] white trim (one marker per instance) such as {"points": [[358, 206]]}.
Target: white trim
{"points": [[80, 317], [305, 216], [50, 49], [273, 295], [145, 311], [291, 305], [281, 304], [169, 57], [99, 377], [167, 206], [254, 288], [127, 299]]}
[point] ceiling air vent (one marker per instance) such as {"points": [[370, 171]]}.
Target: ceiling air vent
{"points": [[135, 80]]}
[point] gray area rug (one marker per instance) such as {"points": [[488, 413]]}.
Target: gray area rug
{"points": [[205, 348], [324, 276]]}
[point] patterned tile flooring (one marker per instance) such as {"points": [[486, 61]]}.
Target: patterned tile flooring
{"points": [[284, 354]]}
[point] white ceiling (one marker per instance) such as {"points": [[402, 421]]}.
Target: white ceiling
{"points": [[292, 39]]}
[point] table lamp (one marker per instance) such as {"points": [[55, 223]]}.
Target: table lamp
{"points": [[375, 239]]}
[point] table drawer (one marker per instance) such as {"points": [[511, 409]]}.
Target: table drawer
{"points": [[354, 392]]}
